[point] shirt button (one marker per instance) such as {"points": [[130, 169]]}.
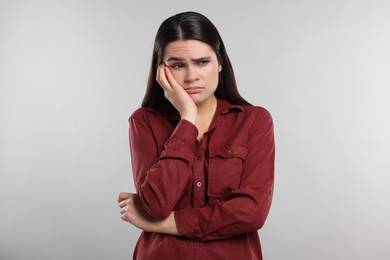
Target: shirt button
{"points": [[198, 158], [199, 184], [231, 151]]}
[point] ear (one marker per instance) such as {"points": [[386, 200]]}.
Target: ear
{"points": [[219, 67]]}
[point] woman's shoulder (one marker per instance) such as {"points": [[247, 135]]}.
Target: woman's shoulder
{"points": [[152, 114], [257, 111], [141, 112]]}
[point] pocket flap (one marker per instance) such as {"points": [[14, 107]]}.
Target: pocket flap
{"points": [[228, 151]]}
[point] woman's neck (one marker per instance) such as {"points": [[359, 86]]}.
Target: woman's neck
{"points": [[207, 109], [206, 113]]}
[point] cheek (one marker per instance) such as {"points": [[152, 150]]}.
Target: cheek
{"points": [[178, 75], [213, 76]]}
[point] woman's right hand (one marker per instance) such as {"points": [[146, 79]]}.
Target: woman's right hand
{"points": [[176, 94]]}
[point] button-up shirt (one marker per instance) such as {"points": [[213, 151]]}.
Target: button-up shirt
{"points": [[220, 189]]}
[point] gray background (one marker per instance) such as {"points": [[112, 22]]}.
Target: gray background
{"points": [[71, 73]]}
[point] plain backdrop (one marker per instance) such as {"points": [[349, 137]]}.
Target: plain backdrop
{"points": [[72, 72]]}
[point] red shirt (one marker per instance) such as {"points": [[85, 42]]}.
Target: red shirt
{"points": [[220, 188]]}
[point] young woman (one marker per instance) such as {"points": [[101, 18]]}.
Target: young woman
{"points": [[202, 156]]}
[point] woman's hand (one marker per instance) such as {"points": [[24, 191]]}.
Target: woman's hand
{"points": [[132, 212], [176, 94]]}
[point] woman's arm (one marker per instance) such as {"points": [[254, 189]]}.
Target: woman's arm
{"points": [[132, 212], [160, 182]]}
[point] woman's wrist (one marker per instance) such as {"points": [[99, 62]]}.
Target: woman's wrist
{"points": [[191, 117], [168, 225]]}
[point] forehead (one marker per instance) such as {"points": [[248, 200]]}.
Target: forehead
{"points": [[188, 49]]}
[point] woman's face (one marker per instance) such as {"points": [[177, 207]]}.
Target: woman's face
{"points": [[195, 67]]}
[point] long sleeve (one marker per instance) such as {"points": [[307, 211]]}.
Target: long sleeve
{"points": [[246, 208], [160, 179]]}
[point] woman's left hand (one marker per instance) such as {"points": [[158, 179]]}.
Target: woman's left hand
{"points": [[132, 212]]}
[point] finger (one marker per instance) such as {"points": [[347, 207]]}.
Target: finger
{"points": [[124, 217], [158, 73], [123, 196], [162, 78], [123, 203], [171, 80], [123, 210], [159, 76], [130, 200]]}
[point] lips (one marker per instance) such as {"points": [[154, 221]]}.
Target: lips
{"points": [[193, 90]]}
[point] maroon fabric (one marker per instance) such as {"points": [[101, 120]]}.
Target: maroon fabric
{"points": [[220, 188]]}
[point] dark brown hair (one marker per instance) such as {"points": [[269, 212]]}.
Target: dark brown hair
{"points": [[190, 26]]}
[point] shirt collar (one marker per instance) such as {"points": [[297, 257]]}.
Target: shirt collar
{"points": [[223, 107]]}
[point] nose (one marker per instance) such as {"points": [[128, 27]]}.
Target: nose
{"points": [[191, 75]]}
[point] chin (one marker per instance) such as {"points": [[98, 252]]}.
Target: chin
{"points": [[197, 99], [200, 99]]}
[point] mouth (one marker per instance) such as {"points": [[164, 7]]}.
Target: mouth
{"points": [[193, 90]]}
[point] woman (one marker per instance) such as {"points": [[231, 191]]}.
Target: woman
{"points": [[202, 156]]}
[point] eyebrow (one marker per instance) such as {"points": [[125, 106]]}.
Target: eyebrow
{"points": [[181, 59]]}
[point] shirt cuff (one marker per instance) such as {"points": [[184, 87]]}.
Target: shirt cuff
{"points": [[187, 224], [186, 132]]}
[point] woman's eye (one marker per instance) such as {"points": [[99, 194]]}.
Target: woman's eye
{"points": [[203, 62], [177, 65]]}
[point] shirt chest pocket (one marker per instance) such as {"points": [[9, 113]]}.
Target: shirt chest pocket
{"points": [[225, 167]]}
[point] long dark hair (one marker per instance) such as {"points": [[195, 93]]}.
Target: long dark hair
{"points": [[190, 26]]}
